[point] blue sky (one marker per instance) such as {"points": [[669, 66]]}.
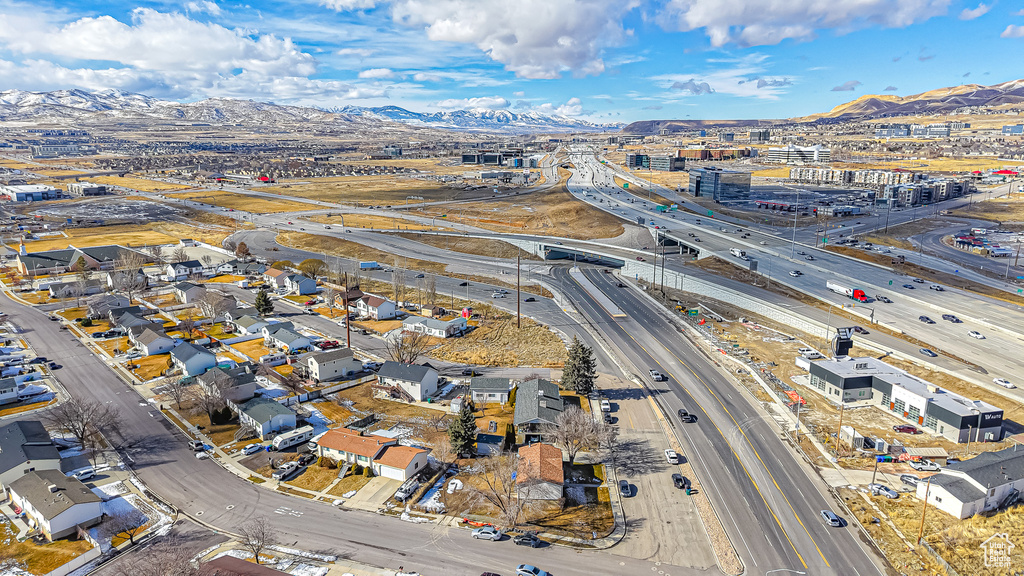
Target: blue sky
{"points": [[603, 60]]}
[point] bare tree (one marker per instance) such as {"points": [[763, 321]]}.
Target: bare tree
{"points": [[500, 490], [213, 304], [171, 555], [158, 253], [330, 299], [257, 534], [81, 418], [294, 382], [207, 260], [128, 277], [398, 286], [188, 325], [573, 431], [177, 390], [432, 291], [229, 245], [406, 347], [439, 422], [206, 398], [443, 451], [179, 255], [126, 522]]}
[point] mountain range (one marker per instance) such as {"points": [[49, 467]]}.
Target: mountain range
{"points": [[106, 106]]}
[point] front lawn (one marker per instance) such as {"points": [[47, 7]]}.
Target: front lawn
{"points": [[41, 558], [149, 367]]}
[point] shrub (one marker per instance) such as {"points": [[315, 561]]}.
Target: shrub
{"points": [[367, 472], [86, 322], [357, 470]]}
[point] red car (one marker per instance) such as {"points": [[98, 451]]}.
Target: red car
{"points": [[906, 429], [328, 344], [640, 258], [310, 302]]}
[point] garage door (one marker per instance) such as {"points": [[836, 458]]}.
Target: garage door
{"points": [[393, 473]]}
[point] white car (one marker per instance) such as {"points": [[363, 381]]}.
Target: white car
{"points": [[252, 449], [1004, 383], [487, 533], [84, 474], [672, 456], [976, 334]]}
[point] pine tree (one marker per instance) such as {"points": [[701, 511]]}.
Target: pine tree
{"points": [[580, 369], [263, 303], [462, 432]]}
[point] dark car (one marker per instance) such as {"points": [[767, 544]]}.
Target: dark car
{"points": [[468, 372], [928, 352], [679, 481], [860, 330], [530, 299], [528, 539], [908, 286], [463, 283], [906, 429], [926, 320], [307, 459], [419, 276], [624, 489], [54, 318], [952, 318]]}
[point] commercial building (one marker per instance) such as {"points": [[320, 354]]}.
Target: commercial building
{"points": [[726, 137], [956, 418], [882, 177], [29, 192], [1013, 129], [634, 160], [719, 185], [759, 135], [86, 189], [929, 131], [716, 153], [893, 131], [799, 154], [667, 163], [820, 175], [988, 481], [51, 150]]}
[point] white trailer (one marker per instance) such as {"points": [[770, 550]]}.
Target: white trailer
{"points": [[289, 439]]}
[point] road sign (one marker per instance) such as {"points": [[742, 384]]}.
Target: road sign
{"points": [[890, 282], [625, 185], [710, 213]]}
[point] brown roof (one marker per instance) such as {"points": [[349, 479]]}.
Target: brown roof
{"points": [[540, 462], [345, 440], [398, 456], [231, 566], [273, 272], [374, 301]]}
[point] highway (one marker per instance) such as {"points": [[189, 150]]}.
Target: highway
{"points": [[767, 498]]}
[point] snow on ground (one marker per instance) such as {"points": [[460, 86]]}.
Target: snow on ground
{"points": [[272, 391], [71, 452], [243, 554], [317, 420], [32, 390], [447, 388], [308, 570], [304, 554], [112, 489]]}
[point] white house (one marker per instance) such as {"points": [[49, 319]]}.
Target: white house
{"points": [[333, 365], [192, 360], [383, 455], [235, 314], [249, 325], [983, 483], [152, 342], [117, 279], [182, 270], [376, 307], [8, 390], [299, 284], [283, 335], [434, 326], [267, 417], [274, 277], [187, 292], [25, 445], [56, 504], [484, 390], [401, 381]]}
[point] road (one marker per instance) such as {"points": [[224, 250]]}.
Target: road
{"points": [[768, 500]]}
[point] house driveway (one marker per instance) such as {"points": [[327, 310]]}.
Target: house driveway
{"points": [[374, 494]]}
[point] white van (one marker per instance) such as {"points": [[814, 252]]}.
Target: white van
{"points": [[273, 359]]}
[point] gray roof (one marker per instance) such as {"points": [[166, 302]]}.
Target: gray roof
{"points": [[403, 371], [129, 320], [247, 321], [482, 384], [959, 488], [537, 400], [136, 331], [35, 487], [434, 322], [230, 377], [988, 469], [276, 326], [188, 264], [186, 286], [23, 441], [186, 351], [8, 383], [287, 335], [242, 311], [264, 409], [332, 355], [68, 256], [149, 336]]}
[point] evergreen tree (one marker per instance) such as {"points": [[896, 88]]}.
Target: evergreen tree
{"points": [[263, 303], [580, 370], [462, 432]]}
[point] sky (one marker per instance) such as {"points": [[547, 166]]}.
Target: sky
{"points": [[601, 60]]}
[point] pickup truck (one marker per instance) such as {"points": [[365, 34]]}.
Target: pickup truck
{"points": [[657, 376]]}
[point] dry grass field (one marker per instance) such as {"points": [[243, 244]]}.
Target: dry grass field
{"points": [[257, 204], [470, 245], [372, 222], [346, 248], [999, 210], [498, 342], [371, 190], [142, 184], [41, 558], [129, 235]]}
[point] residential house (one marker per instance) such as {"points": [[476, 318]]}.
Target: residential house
{"points": [[409, 382], [231, 566], [376, 307], [187, 243], [434, 326], [151, 342], [61, 261], [119, 279], [274, 277], [232, 315], [192, 360], [187, 292], [348, 299], [485, 390], [99, 306], [433, 312], [983, 483], [382, 454], [8, 390], [267, 417], [135, 331], [241, 268], [333, 365], [236, 385], [250, 324], [299, 284], [538, 405], [55, 504], [73, 289], [540, 475], [282, 335], [114, 313], [25, 445], [179, 271]]}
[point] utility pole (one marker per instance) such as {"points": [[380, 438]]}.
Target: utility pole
{"points": [[519, 300], [348, 323], [920, 532], [798, 403], [839, 432], [875, 471], [796, 211]]}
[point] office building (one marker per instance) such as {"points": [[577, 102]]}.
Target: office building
{"points": [[799, 154], [667, 163], [720, 185], [634, 160], [759, 135], [893, 131], [51, 150], [726, 137], [909, 398], [86, 189], [1013, 129]]}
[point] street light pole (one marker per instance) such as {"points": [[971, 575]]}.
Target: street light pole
{"points": [[796, 211]]}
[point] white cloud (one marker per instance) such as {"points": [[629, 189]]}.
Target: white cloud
{"points": [[377, 73], [204, 6], [572, 107], [361, 52], [1013, 31], [488, 102], [972, 13], [848, 86], [772, 21], [519, 94], [342, 5]]}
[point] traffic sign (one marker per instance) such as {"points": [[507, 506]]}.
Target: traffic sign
{"points": [[625, 185], [890, 282], [711, 212]]}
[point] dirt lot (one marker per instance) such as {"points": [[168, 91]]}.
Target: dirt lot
{"points": [[470, 245], [369, 190], [257, 204], [372, 222], [349, 249], [363, 403], [498, 342], [552, 212], [1001, 210]]}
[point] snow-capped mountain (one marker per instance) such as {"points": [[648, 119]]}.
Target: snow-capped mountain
{"points": [[482, 120], [106, 106]]}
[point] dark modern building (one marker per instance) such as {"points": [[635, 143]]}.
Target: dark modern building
{"points": [[720, 185], [667, 163]]}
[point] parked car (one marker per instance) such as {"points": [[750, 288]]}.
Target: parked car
{"points": [[487, 533], [1004, 383], [54, 366], [678, 481], [883, 490], [624, 489], [54, 318], [926, 320], [923, 465], [196, 445], [527, 539], [672, 456], [528, 570], [252, 449], [605, 405], [976, 334], [84, 474], [831, 519], [910, 480], [285, 471], [468, 372], [307, 459], [906, 429]]}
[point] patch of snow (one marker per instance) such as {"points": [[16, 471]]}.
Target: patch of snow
{"points": [[138, 484], [241, 554], [112, 489], [71, 452], [32, 390], [304, 554], [317, 420], [409, 518], [272, 392], [447, 388], [454, 485], [350, 493], [308, 570]]}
